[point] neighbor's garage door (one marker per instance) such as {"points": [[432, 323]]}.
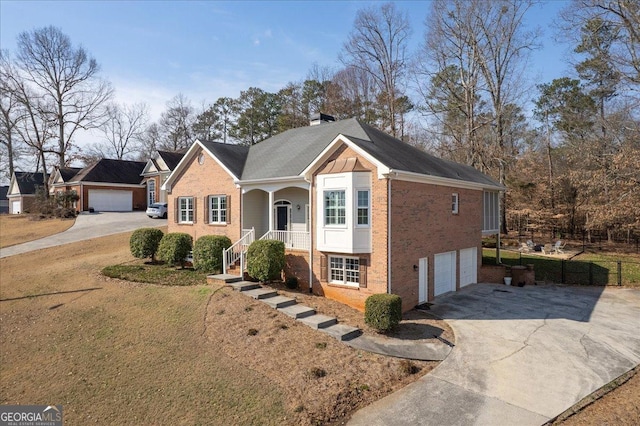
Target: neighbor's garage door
{"points": [[110, 201], [444, 272], [468, 266], [15, 207]]}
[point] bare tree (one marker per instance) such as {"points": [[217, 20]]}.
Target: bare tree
{"points": [[66, 78], [9, 117], [176, 124], [378, 45], [150, 142], [449, 76], [122, 130]]}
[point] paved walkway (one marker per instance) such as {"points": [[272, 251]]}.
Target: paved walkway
{"points": [[522, 356], [87, 226]]}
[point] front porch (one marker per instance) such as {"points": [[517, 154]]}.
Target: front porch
{"points": [[276, 212]]}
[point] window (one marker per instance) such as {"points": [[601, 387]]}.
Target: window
{"points": [[218, 209], [344, 270], [363, 208], [151, 188], [491, 212], [334, 208], [185, 210], [454, 203]]}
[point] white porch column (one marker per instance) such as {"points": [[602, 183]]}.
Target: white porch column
{"points": [[271, 200]]}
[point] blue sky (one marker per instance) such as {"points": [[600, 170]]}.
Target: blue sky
{"points": [[153, 50]]}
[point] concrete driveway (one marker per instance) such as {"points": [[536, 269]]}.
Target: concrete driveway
{"points": [[87, 226], [522, 356]]}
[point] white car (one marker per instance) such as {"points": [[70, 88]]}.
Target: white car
{"points": [[157, 210]]}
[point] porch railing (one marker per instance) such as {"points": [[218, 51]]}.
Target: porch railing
{"points": [[238, 251], [294, 240]]}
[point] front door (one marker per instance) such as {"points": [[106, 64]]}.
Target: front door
{"points": [[282, 218]]}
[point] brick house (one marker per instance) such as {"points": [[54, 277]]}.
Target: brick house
{"points": [[105, 185], [359, 211], [22, 190], [156, 172]]}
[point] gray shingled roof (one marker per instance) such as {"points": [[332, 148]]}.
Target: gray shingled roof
{"points": [[28, 181], [112, 171], [290, 152], [401, 156], [171, 158], [232, 156]]}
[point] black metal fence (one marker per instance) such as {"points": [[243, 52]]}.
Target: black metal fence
{"points": [[581, 272]]}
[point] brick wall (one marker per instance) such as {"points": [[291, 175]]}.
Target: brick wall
{"points": [[376, 260], [199, 181], [492, 274], [423, 225]]}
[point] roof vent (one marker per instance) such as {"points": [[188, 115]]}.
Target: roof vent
{"points": [[321, 118]]}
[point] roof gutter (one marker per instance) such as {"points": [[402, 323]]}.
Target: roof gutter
{"points": [[438, 180]]}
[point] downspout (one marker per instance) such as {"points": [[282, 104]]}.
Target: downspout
{"points": [[389, 234], [311, 232]]}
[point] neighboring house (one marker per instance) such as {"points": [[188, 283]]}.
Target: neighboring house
{"points": [[106, 185], [359, 211], [4, 201], [156, 172], [22, 190]]}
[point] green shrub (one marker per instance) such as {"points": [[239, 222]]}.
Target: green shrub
{"points": [[383, 311], [175, 247], [144, 243], [207, 252], [291, 283], [265, 259]]}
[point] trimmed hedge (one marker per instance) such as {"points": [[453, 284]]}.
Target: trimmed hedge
{"points": [[265, 259], [175, 247], [383, 311], [207, 252], [144, 243]]}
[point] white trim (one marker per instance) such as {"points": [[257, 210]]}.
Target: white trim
{"points": [[356, 207], [210, 220], [455, 206], [332, 147], [436, 180], [344, 271], [179, 212], [186, 160], [117, 185]]}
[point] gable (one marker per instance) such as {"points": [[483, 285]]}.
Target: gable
{"points": [[13, 189]]}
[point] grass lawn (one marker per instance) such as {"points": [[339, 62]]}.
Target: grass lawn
{"points": [[601, 268], [118, 352], [142, 271], [16, 229]]}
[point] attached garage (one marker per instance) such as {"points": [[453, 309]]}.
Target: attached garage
{"points": [[468, 266], [444, 273], [103, 200]]}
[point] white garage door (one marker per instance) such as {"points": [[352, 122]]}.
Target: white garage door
{"points": [[468, 266], [110, 201], [15, 207], [444, 272]]}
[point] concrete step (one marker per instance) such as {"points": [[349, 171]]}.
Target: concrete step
{"points": [[244, 285], [297, 311], [342, 332], [260, 293], [223, 278], [318, 321], [279, 301]]}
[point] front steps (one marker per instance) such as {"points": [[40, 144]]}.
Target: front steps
{"points": [[288, 306]]}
